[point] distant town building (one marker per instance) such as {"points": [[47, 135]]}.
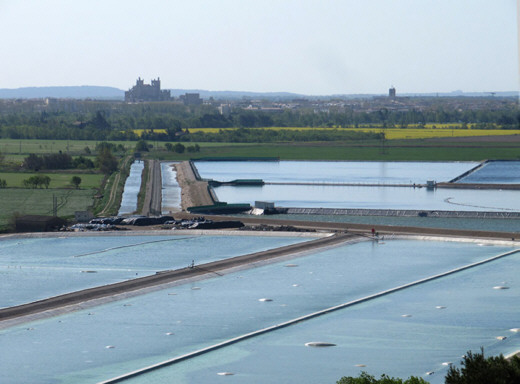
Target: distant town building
{"points": [[191, 99], [225, 109], [147, 92], [391, 92]]}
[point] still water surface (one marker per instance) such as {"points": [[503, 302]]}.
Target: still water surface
{"points": [[495, 172], [367, 172], [322, 196], [367, 197], [33, 269], [131, 190], [109, 340], [171, 191]]}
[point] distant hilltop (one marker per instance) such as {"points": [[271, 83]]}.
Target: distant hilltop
{"points": [[72, 92], [111, 93]]}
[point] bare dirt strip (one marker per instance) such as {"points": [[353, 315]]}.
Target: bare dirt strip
{"points": [[193, 192], [213, 268]]}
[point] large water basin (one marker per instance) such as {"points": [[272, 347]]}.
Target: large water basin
{"points": [[495, 172], [362, 172], [35, 268], [478, 224], [323, 196], [94, 345], [419, 331]]}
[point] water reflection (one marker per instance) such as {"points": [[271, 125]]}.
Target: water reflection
{"points": [[171, 191], [369, 172], [320, 196], [132, 187]]}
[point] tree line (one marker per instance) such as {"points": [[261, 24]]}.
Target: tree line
{"points": [[171, 122], [35, 162]]}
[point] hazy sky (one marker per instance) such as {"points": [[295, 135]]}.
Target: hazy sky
{"points": [[305, 46]]}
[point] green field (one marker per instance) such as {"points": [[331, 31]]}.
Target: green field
{"points": [[58, 180], [405, 149], [40, 202], [18, 149], [396, 150], [74, 147]]}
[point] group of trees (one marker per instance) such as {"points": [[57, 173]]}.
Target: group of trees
{"points": [[179, 148], [37, 181], [475, 369], [60, 160], [82, 120], [105, 160]]}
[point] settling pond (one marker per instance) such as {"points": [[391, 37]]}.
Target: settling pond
{"points": [[407, 332], [310, 184], [35, 268]]}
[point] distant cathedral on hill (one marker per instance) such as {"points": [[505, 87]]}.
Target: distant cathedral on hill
{"points": [[147, 92]]}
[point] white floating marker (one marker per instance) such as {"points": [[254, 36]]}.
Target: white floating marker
{"points": [[225, 373], [515, 329], [109, 347], [447, 363], [500, 287], [319, 344], [265, 299], [440, 307], [296, 285], [169, 333], [406, 315]]}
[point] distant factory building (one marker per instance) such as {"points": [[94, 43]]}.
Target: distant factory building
{"points": [[147, 92], [191, 99], [391, 92]]}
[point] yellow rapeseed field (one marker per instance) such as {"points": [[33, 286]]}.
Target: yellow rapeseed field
{"points": [[440, 130]]}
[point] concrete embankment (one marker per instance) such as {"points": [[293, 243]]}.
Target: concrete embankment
{"points": [[478, 186], [468, 172], [402, 213], [213, 268]]}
